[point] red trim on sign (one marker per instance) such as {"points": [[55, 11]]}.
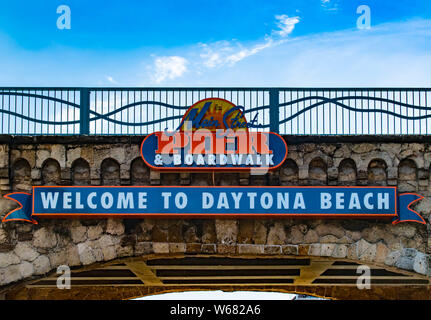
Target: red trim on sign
{"points": [[221, 215], [20, 207], [408, 207], [210, 169]]}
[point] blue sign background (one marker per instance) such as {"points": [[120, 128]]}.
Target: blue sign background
{"points": [[155, 201]]}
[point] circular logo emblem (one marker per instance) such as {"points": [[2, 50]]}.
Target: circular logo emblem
{"points": [[213, 114]]}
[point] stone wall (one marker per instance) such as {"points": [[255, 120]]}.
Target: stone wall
{"points": [[28, 251]]}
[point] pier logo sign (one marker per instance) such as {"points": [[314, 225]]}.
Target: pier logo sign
{"points": [[214, 135]]}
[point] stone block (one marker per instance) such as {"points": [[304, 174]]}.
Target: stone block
{"points": [[177, 247], [226, 249], [290, 249], [272, 249], [161, 247], [250, 249], [209, 248]]}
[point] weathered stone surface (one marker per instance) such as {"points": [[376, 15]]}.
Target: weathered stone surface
{"points": [[10, 274], [161, 247], [315, 249], [328, 239], [295, 235], [340, 251], [422, 264], [327, 249], [25, 251], [404, 230], [227, 231], [57, 258], [226, 249], [208, 248], [177, 247], [329, 229], [272, 249], [363, 147], [6, 259], [245, 230], [41, 265], [311, 236], [392, 258], [94, 232], [115, 227], [260, 232], [382, 252], [44, 238], [406, 260], [250, 249], [276, 234], [88, 253], [26, 269], [78, 234]]}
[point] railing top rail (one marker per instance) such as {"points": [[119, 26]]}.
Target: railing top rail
{"points": [[227, 88]]}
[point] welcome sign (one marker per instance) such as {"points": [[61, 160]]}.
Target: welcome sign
{"points": [[206, 202]]}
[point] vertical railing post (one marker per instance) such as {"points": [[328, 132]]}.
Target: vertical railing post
{"points": [[84, 114], [274, 110]]}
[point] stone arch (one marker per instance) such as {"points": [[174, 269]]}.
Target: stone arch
{"points": [[139, 172], [347, 172], [227, 179], [317, 171], [201, 179], [407, 175], [51, 172], [21, 176], [289, 173], [110, 172], [259, 179], [377, 172], [170, 178], [81, 172]]}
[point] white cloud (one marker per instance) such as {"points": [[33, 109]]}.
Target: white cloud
{"points": [[111, 80], [169, 67], [328, 5], [285, 24], [393, 54], [230, 52]]}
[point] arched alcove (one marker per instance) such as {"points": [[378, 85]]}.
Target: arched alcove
{"points": [[139, 173], [51, 172], [317, 171], [170, 178], [407, 176], [110, 172], [289, 173], [81, 172], [377, 175], [201, 179], [21, 176], [347, 172], [227, 179]]}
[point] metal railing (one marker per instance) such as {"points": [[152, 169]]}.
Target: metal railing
{"points": [[139, 111]]}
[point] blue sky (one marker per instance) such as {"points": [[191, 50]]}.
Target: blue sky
{"points": [[215, 43]]}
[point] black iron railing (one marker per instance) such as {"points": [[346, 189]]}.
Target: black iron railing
{"points": [[139, 111]]}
